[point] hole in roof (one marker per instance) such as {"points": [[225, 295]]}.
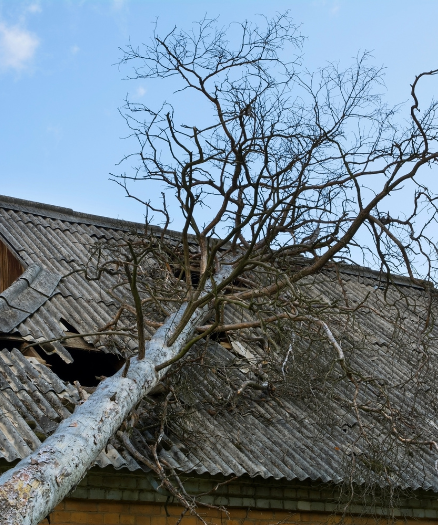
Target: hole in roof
{"points": [[67, 327], [180, 273], [221, 338], [88, 365], [10, 267], [9, 343]]}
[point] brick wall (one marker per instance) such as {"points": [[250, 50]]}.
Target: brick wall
{"points": [[127, 498], [80, 512]]}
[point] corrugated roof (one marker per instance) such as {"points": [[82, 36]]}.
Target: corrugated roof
{"points": [[283, 436], [56, 247], [33, 400], [271, 436], [30, 291]]}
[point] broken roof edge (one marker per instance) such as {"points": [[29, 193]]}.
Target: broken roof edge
{"points": [[70, 215]]}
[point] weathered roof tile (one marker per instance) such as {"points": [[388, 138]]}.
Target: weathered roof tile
{"points": [[275, 439]]}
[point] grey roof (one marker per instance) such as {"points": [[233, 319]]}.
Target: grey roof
{"points": [[56, 240], [284, 436], [33, 400], [30, 291], [269, 437]]}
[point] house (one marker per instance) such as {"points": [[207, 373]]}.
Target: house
{"points": [[265, 458]]}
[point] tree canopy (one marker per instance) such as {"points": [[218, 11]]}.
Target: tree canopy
{"points": [[281, 174]]}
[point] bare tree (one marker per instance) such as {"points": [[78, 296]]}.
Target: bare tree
{"points": [[286, 174]]}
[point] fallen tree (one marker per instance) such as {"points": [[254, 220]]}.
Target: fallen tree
{"points": [[37, 484], [284, 162]]}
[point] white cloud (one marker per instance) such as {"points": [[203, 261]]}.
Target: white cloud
{"points": [[55, 132], [332, 6], [34, 8], [17, 47], [141, 91], [335, 8], [74, 50], [119, 4]]}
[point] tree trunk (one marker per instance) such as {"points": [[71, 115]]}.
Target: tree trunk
{"points": [[30, 490]]}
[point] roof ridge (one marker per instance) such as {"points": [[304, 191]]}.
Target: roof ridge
{"points": [[358, 270], [67, 214]]}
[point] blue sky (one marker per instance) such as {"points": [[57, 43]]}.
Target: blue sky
{"points": [[60, 130]]}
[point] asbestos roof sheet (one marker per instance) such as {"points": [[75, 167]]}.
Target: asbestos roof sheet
{"points": [[52, 248], [33, 400], [275, 436], [30, 291]]}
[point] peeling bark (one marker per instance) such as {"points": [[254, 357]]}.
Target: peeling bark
{"points": [[30, 490]]}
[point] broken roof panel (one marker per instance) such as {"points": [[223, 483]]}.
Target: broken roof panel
{"points": [[33, 400], [54, 247], [272, 438]]}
